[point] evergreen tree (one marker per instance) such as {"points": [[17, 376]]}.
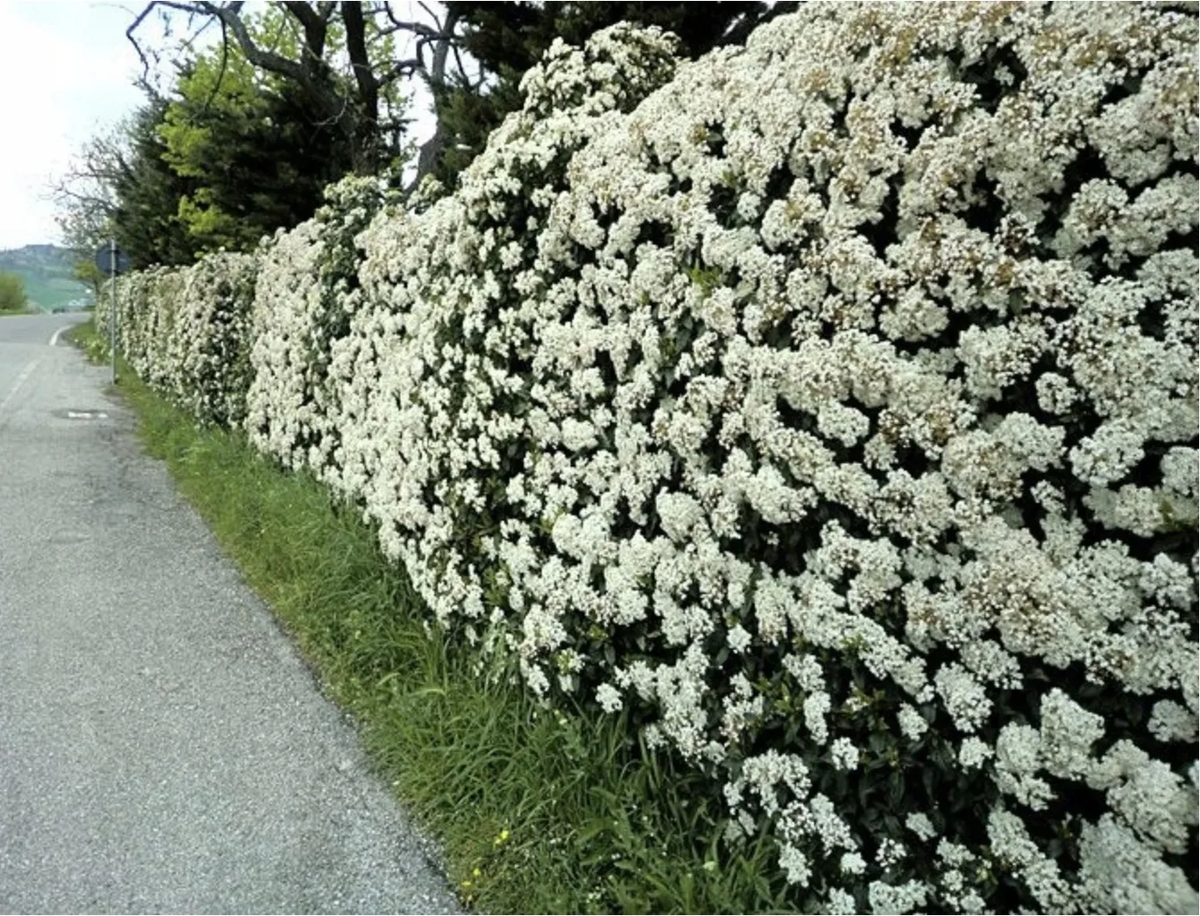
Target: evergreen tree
{"points": [[145, 219], [236, 150], [247, 141]]}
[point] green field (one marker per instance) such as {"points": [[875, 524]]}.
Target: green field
{"points": [[48, 275], [47, 293]]}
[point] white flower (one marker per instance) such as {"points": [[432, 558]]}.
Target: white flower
{"points": [[964, 697], [890, 852], [794, 864], [816, 707], [1169, 721], [679, 513], [973, 752], [912, 723], [578, 435], [904, 898], [738, 639], [609, 698], [1018, 758], [920, 824], [1155, 802], [1067, 734], [844, 753], [853, 864], [1120, 874], [840, 902]]}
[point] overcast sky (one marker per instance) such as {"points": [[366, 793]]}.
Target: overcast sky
{"points": [[66, 72]]}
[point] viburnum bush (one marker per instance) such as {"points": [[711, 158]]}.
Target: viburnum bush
{"points": [[212, 331], [145, 315], [830, 405], [187, 332]]}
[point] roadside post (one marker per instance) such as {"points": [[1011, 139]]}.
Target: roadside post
{"points": [[112, 261], [112, 324]]}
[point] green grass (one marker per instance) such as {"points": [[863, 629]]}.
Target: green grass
{"points": [[87, 339], [536, 811], [47, 291]]}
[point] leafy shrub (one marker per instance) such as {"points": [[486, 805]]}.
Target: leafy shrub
{"points": [[307, 290], [12, 294], [213, 329], [187, 332], [833, 412], [146, 303]]}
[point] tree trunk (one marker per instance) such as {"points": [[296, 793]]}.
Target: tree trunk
{"points": [[364, 121]]}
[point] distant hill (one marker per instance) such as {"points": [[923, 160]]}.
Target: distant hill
{"points": [[48, 273]]}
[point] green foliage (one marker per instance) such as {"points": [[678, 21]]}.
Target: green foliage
{"points": [[86, 271], [12, 294], [228, 156], [145, 220], [90, 341], [249, 143]]}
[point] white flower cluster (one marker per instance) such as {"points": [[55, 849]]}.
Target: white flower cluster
{"points": [[836, 404]]}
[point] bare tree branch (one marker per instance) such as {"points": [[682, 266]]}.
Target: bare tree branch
{"points": [[436, 80], [220, 73], [417, 28], [364, 76], [315, 28], [229, 14], [130, 33], [434, 16], [102, 203], [458, 62]]}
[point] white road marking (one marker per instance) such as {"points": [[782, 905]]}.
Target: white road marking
{"points": [[21, 379], [54, 339]]}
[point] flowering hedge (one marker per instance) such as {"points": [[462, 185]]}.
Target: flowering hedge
{"points": [[829, 403], [307, 290], [186, 331]]}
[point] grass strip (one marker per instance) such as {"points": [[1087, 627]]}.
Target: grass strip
{"points": [[537, 810]]}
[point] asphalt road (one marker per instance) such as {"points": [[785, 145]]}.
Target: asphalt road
{"points": [[163, 748]]}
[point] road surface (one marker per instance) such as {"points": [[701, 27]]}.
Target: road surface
{"points": [[163, 748]]}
